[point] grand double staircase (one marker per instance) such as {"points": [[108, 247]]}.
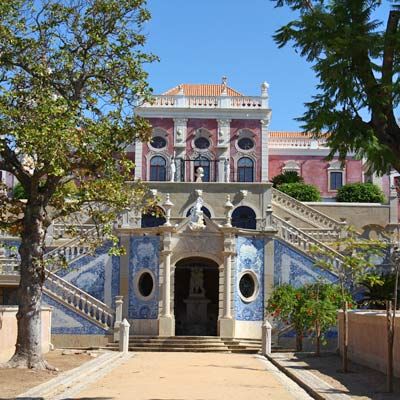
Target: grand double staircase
{"points": [[296, 223]]}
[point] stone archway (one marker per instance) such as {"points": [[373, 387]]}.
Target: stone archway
{"points": [[196, 297]]}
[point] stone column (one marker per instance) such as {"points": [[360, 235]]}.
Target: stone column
{"points": [[166, 322], [227, 284], [224, 131], [227, 323], [264, 149], [138, 160], [393, 200], [180, 129]]}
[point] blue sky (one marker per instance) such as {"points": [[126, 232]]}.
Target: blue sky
{"points": [[199, 41]]}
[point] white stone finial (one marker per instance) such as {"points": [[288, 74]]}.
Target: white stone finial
{"points": [[168, 204], [180, 90], [264, 89]]}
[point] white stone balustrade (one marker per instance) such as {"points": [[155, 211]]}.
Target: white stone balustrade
{"points": [[79, 300], [301, 240], [247, 102], [304, 211], [60, 230]]}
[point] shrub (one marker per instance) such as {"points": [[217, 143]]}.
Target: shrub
{"points": [[301, 191], [287, 177], [19, 192], [360, 193]]}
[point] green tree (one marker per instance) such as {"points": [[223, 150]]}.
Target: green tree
{"points": [[356, 59], [322, 301], [356, 264], [70, 75], [286, 305]]}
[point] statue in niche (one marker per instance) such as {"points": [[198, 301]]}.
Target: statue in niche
{"points": [[196, 282], [173, 170], [227, 170], [199, 174], [196, 215]]}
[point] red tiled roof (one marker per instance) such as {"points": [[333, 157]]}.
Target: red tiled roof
{"points": [[204, 89]]}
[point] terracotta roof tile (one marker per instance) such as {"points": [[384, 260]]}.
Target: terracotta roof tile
{"points": [[204, 89]]}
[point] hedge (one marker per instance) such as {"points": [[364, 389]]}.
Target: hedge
{"points": [[360, 193], [287, 177], [301, 191]]}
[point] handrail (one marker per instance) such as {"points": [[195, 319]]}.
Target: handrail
{"points": [[77, 298], [303, 210], [300, 239]]}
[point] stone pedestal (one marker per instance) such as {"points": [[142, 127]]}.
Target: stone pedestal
{"points": [[196, 314], [166, 326], [226, 327]]}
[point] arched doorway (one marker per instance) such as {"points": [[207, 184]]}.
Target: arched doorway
{"points": [[196, 297]]}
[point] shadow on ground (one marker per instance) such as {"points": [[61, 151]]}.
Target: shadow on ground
{"points": [[361, 383]]}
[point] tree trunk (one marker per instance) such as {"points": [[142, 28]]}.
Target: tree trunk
{"points": [[390, 344], [28, 349], [345, 362], [299, 341], [318, 333]]}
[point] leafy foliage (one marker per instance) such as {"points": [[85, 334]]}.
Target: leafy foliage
{"points": [[301, 191], [286, 305], [356, 59], [71, 73], [322, 301], [379, 292], [287, 177], [19, 192], [360, 193]]}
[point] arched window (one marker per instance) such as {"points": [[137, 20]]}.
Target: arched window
{"points": [[203, 162], [158, 169], [153, 218], [244, 217], [245, 170]]}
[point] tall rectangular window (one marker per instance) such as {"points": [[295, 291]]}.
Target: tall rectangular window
{"points": [[336, 180]]}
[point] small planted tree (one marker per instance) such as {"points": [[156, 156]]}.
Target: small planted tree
{"points": [[357, 264], [322, 301], [286, 305]]}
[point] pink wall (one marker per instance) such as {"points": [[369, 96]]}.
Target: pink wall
{"points": [[255, 127], [314, 170], [367, 339], [166, 124]]}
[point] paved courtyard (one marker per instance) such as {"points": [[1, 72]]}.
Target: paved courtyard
{"points": [[194, 376]]}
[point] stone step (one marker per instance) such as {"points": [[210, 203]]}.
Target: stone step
{"points": [[194, 342]]}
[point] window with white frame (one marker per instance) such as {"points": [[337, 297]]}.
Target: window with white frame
{"points": [[335, 176]]}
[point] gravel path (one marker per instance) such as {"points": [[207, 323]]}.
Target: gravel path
{"points": [[194, 376]]}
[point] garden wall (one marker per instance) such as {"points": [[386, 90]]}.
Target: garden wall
{"points": [[358, 215], [8, 331], [368, 339]]}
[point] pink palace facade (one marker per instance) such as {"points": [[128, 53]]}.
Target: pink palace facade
{"points": [[225, 132]]}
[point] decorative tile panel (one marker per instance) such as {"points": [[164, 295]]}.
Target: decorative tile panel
{"points": [[144, 254], [295, 268], [66, 321], [96, 274], [250, 257]]}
